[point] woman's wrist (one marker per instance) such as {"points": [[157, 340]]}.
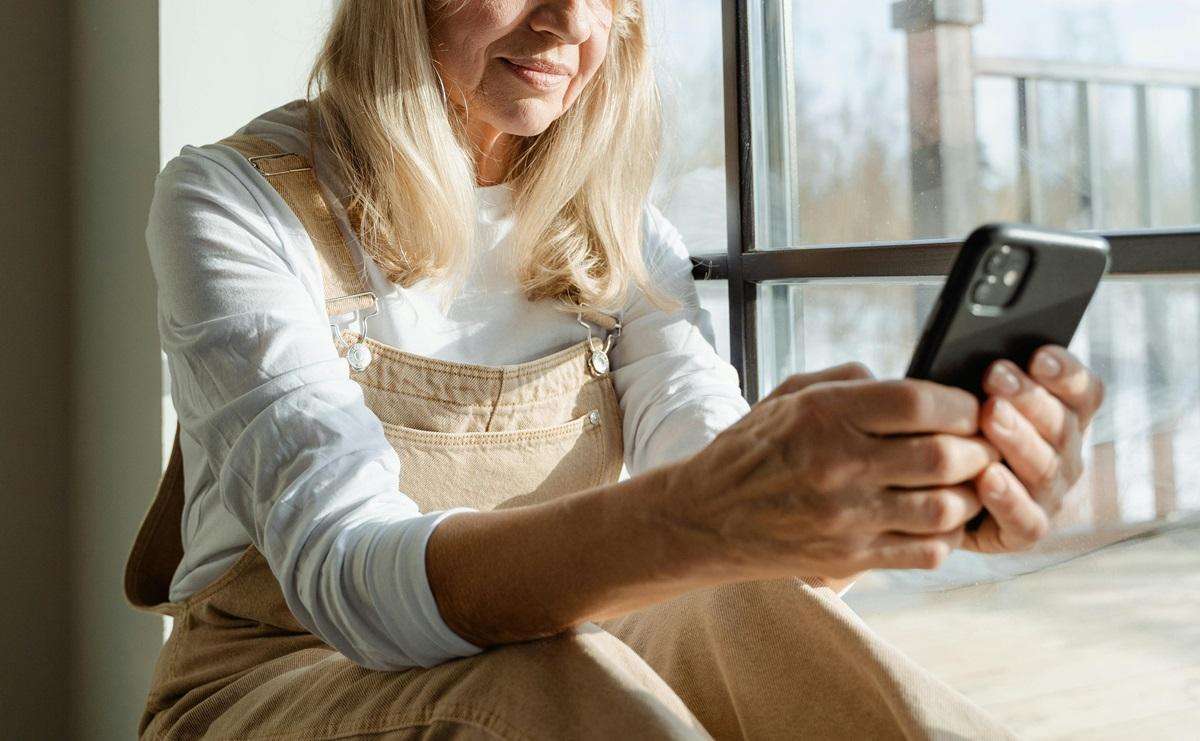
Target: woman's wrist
{"points": [[657, 554], [518, 574]]}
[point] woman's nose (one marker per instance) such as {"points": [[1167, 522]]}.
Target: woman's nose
{"points": [[568, 20]]}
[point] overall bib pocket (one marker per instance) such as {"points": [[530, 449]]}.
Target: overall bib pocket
{"points": [[544, 461]]}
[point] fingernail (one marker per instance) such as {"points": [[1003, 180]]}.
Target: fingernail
{"points": [[1046, 365], [1003, 380], [1003, 416]]}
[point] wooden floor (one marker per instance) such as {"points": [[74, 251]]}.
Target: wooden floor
{"points": [[1105, 645]]}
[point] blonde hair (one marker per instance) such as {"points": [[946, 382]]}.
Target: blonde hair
{"points": [[579, 187]]}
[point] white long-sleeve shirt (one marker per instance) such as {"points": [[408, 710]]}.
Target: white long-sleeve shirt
{"points": [[280, 450]]}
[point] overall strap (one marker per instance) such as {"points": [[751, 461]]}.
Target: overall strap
{"points": [[158, 548], [606, 322], [293, 178]]}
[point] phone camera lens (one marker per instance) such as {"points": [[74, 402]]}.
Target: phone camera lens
{"points": [[1017, 262], [988, 292], [998, 260]]}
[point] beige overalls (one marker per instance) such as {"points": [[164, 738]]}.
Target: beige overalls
{"points": [[761, 660]]}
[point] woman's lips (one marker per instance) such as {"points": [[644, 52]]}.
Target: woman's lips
{"points": [[538, 73]]}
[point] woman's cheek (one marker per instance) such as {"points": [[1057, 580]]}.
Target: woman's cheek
{"points": [[590, 61]]}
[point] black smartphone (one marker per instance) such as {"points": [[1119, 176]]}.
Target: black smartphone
{"points": [[1012, 289]]}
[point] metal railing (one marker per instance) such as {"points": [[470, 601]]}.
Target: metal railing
{"points": [[767, 262], [1089, 81]]}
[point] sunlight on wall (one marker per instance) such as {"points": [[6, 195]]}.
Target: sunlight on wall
{"points": [[221, 64]]}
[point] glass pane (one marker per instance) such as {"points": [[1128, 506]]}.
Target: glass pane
{"points": [[714, 298], [1142, 336], [877, 123], [690, 188]]}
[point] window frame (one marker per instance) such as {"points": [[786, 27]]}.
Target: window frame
{"points": [[1136, 252]]}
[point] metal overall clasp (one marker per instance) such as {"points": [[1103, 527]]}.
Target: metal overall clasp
{"points": [[358, 355], [598, 361]]}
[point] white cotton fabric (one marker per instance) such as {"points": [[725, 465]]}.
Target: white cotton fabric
{"points": [[280, 450]]}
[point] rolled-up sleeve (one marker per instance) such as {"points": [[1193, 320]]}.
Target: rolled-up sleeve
{"points": [[676, 392], [299, 459]]}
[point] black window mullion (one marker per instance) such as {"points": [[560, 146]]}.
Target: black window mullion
{"points": [[1142, 252], [739, 187]]}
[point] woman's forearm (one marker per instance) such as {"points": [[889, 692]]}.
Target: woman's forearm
{"points": [[519, 574]]}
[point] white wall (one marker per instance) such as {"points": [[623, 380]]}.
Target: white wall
{"points": [[223, 62]]}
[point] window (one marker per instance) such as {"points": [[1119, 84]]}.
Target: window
{"points": [[865, 140], [867, 126], [690, 188]]}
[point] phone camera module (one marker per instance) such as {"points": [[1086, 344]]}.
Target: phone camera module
{"points": [[1003, 271]]}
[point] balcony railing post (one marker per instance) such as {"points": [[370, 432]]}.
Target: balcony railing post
{"points": [[1195, 121], [778, 169], [941, 112], [1147, 203], [1029, 151], [1091, 153], [779, 172]]}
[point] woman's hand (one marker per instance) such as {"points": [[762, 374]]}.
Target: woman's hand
{"points": [[834, 474], [1036, 420]]}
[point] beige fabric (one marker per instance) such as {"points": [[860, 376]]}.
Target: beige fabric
{"points": [[761, 660]]}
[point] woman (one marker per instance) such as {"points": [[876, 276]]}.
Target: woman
{"points": [[412, 525]]}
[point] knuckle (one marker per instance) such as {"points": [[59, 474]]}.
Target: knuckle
{"points": [[1072, 468], [857, 370], [1048, 475], [793, 383], [1036, 529], [932, 554], [827, 477], [915, 399], [1019, 544], [787, 386], [1021, 534], [837, 519], [1017, 538], [1099, 391], [1070, 430], [816, 405], [1003, 508], [939, 514], [937, 456], [805, 412]]}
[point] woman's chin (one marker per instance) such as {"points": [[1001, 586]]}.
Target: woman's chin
{"points": [[530, 118]]}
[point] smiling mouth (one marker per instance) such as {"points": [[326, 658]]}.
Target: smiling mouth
{"points": [[536, 73]]}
